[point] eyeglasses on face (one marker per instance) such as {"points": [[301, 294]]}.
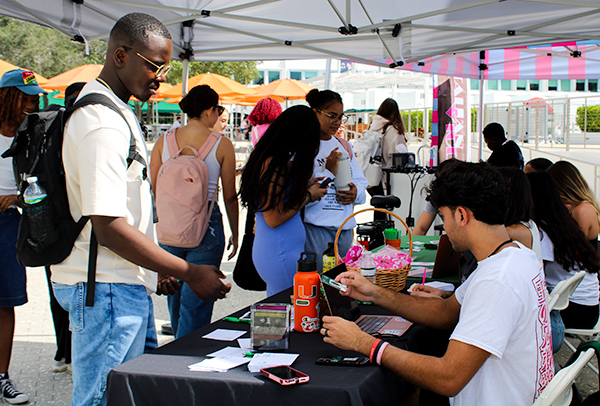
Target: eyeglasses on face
{"points": [[334, 117], [161, 70], [220, 110]]}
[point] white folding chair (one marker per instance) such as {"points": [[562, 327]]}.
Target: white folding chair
{"points": [[559, 297], [559, 391], [583, 335]]}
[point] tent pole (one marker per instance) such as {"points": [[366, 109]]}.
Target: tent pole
{"points": [[480, 110], [328, 74], [185, 74]]}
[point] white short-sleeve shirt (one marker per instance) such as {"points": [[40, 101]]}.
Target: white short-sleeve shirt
{"points": [[503, 311], [95, 149]]}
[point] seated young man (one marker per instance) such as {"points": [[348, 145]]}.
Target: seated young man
{"points": [[504, 152], [500, 352]]}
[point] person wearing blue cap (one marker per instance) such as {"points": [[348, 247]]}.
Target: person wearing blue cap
{"points": [[18, 97]]}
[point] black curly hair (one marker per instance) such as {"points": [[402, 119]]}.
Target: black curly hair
{"points": [[476, 186]]}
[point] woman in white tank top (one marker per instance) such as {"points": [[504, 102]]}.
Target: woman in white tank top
{"points": [[188, 312], [519, 223]]}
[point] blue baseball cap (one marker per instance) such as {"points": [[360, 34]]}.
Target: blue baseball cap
{"points": [[24, 80]]}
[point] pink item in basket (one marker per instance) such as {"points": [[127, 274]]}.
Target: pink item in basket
{"points": [[354, 256]]}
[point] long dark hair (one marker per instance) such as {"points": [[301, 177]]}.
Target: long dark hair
{"points": [[520, 202], [390, 111], [284, 156], [571, 247], [198, 100]]}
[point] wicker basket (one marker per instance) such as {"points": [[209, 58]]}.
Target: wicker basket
{"points": [[394, 279]]}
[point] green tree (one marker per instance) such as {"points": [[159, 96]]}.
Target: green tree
{"points": [[244, 72], [44, 50]]}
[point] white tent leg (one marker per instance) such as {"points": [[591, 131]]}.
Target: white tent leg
{"points": [[480, 113], [185, 75], [328, 74]]}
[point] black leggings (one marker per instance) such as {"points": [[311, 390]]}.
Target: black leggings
{"points": [[580, 316]]}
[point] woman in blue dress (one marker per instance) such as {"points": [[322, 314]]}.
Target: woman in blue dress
{"points": [[276, 185]]}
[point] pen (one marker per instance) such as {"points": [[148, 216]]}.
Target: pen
{"points": [[236, 320]]}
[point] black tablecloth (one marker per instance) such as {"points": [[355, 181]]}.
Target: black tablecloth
{"points": [[162, 376]]}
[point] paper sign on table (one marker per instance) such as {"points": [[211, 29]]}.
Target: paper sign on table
{"points": [[229, 352], [269, 359], [223, 334], [219, 364], [245, 343]]}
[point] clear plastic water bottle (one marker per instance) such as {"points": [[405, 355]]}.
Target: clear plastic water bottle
{"points": [[368, 267], [37, 212], [34, 192]]}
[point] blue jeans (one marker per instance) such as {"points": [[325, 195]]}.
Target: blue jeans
{"points": [[13, 279], [188, 312], [118, 328]]}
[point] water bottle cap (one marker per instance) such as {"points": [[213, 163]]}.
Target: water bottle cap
{"points": [[307, 262], [32, 179]]}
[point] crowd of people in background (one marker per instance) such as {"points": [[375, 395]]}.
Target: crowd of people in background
{"points": [[542, 216]]}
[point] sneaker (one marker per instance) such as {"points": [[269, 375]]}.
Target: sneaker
{"points": [[166, 329], [59, 366], [70, 369], [10, 394]]}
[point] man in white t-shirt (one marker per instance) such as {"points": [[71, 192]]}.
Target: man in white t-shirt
{"points": [[500, 352], [117, 198]]}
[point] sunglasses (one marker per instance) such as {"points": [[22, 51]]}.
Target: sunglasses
{"points": [[161, 70], [334, 117], [220, 110]]}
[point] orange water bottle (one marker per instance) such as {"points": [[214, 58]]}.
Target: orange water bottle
{"points": [[306, 294]]}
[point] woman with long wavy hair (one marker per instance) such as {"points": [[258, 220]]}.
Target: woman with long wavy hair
{"points": [[565, 251], [578, 197], [277, 183]]}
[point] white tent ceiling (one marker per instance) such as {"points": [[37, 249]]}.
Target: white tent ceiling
{"points": [[226, 30]]}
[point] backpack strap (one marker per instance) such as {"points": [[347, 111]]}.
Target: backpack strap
{"points": [[133, 155], [584, 347], [346, 146], [206, 148], [170, 143]]}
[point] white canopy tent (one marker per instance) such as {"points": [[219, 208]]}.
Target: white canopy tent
{"points": [[358, 30]]}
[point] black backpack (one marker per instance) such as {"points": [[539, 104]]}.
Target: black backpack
{"points": [[47, 231]]}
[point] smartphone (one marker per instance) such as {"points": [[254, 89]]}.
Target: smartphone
{"points": [[325, 183], [344, 361], [285, 375]]}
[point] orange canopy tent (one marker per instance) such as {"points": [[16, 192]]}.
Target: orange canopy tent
{"points": [[281, 90], [83, 73], [220, 84], [5, 67]]}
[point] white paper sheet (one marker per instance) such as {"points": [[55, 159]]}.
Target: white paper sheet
{"points": [[245, 343], [269, 359], [218, 364], [223, 334], [229, 352]]}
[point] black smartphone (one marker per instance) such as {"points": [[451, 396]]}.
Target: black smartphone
{"points": [[325, 183], [343, 361]]}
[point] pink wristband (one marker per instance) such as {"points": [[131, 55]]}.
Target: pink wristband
{"points": [[380, 352]]}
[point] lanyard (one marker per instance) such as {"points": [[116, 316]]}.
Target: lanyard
{"points": [[500, 246]]}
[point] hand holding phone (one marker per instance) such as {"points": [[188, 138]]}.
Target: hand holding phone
{"points": [[325, 183], [285, 375]]}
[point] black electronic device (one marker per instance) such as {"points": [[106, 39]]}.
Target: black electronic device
{"points": [[403, 160], [343, 361], [325, 183]]}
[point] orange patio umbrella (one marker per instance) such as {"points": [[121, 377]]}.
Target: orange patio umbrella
{"points": [[83, 73], [164, 86], [220, 84], [281, 90], [5, 67]]}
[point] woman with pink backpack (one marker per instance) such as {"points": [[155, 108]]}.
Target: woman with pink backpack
{"points": [[185, 169]]}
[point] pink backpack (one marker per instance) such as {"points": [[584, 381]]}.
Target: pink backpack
{"points": [[182, 194]]}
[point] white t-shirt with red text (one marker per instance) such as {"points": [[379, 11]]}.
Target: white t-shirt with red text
{"points": [[504, 312]]}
